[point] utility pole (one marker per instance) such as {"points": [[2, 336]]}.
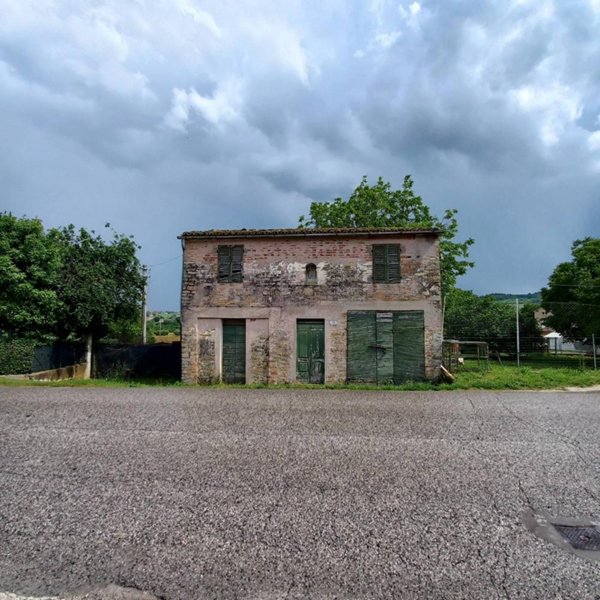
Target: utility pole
{"points": [[518, 336], [594, 350], [144, 303]]}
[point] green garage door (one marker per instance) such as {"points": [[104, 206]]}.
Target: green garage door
{"points": [[234, 351], [310, 351], [409, 346], [385, 347]]}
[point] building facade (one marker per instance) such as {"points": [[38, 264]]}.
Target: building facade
{"points": [[311, 305]]}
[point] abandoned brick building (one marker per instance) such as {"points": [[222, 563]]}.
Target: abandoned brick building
{"points": [[311, 305]]}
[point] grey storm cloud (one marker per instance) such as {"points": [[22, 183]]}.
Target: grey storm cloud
{"points": [[168, 115]]}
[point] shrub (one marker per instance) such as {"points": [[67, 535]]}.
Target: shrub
{"points": [[16, 355]]}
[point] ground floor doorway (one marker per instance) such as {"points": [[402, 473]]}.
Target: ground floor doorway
{"points": [[234, 351], [310, 351], [386, 347]]}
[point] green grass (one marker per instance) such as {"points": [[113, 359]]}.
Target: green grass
{"points": [[525, 378], [496, 378], [109, 383]]}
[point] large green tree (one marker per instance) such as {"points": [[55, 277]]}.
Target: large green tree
{"points": [[65, 282], [380, 206], [573, 292], [100, 287], [29, 271]]}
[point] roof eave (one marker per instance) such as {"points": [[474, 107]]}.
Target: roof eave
{"points": [[300, 233]]}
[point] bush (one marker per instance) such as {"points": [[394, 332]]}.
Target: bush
{"points": [[16, 355]]}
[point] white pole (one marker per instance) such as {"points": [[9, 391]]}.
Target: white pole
{"points": [[518, 337]]}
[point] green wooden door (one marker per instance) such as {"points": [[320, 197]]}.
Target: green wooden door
{"points": [[385, 347], [234, 351], [409, 346], [362, 351], [310, 351], [370, 347]]}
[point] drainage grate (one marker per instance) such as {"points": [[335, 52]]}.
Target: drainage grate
{"points": [[580, 538]]}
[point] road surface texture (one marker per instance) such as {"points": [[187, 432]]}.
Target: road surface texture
{"points": [[192, 493]]}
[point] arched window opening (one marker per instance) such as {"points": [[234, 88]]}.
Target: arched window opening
{"points": [[311, 274]]}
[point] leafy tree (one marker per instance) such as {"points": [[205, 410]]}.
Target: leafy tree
{"points": [[64, 282], [29, 269], [380, 206], [100, 286], [471, 317], [573, 293]]}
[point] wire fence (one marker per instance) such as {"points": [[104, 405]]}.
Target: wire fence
{"points": [[482, 330], [535, 352]]}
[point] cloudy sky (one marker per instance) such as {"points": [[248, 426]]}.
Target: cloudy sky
{"points": [[161, 116]]}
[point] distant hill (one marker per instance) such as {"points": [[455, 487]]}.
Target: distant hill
{"points": [[534, 297]]}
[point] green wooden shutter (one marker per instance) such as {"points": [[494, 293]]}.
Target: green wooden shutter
{"points": [[393, 263], [362, 353], [237, 263], [386, 263], [409, 346], [379, 264], [224, 255], [230, 264]]}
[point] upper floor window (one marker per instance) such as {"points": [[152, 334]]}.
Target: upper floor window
{"points": [[386, 263], [311, 274], [231, 263]]}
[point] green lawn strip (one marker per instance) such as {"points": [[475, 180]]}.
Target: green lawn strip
{"points": [[109, 383], [518, 378], [497, 377]]}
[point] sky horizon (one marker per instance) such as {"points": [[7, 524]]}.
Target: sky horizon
{"points": [[171, 115]]}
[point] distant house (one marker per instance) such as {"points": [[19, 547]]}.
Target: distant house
{"points": [[311, 305], [554, 341]]}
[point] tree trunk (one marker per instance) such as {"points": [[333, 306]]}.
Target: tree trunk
{"points": [[88, 357]]}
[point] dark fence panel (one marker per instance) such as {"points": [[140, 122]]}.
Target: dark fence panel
{"points": [[132, 361]]}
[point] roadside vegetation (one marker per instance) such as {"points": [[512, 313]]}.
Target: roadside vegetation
{"points": [[496, 377]]}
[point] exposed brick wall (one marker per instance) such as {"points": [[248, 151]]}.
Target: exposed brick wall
{"points": [[274, 272], [335, 370], [189, 353], [257, 340]]}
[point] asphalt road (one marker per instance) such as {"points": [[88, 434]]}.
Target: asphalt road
{"points": [[198, 493]]}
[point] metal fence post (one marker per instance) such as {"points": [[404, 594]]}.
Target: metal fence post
{"points": [[594, 350], [518, 340]]}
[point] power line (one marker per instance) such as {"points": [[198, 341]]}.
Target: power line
{"points": [[587, 287], [166, 261]]}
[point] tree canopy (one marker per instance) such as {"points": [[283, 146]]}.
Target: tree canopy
{"points": [[101, 285], [380, 206], [29, 271], [471, 317], [65, 282], [573, 292]]}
